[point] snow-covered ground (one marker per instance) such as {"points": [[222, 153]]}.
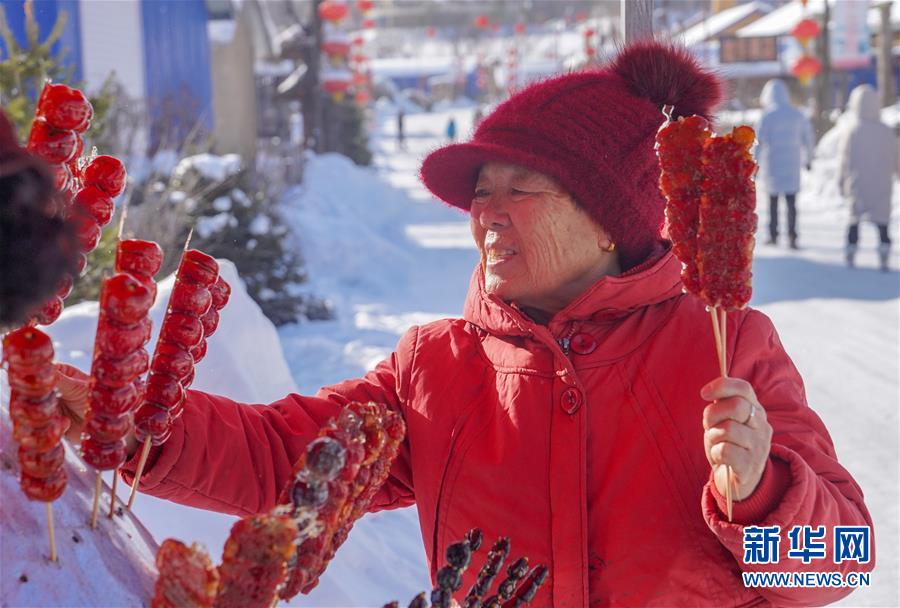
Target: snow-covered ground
{"points": [[388, 256]]}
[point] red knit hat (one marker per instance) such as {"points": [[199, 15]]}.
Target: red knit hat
{"points": [[592, 131]]}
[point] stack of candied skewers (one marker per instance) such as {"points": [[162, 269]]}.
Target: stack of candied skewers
{"points": [[711, 201]]}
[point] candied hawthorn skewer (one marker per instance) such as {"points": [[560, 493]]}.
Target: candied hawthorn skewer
{"points": [[187, 577], [38, 426], [124, 307], [253, 561], [172, 366], [725, 238]]}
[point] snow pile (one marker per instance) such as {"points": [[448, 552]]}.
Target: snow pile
{"points": [[212, 167], [110, 566]]}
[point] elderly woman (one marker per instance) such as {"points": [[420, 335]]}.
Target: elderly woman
{"points": [[575, 406]]}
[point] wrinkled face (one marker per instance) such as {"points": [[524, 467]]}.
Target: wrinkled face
{"points": [[538, 249]]}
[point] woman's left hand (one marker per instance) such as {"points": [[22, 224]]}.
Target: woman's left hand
{"points": [[736, 434]]}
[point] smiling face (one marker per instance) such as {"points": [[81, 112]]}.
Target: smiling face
{"points": [[538, 248]]}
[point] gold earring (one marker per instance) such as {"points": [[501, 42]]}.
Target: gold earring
{"points": [[611, 248]]}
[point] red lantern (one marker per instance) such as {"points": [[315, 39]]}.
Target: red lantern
{"points": [[358, 41], [589, 33], [805, 68], [430, 31], [359, 58], [336, 81], [806, 30], [359, 78], [336, 47], [333, 10], [519, 28], [365, 6], [481, 22], [581, 16], [368, 24], [591, 52]]}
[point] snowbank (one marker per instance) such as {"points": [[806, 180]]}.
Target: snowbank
{"points": [[110, 566]]}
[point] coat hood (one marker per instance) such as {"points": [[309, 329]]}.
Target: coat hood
{"points": [[775, 93], [655, 281], [863, 103]]}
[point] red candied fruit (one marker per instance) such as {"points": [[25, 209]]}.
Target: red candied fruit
{"points": [[81, 264], [116, 373], [106, 173], [32, 412], [172, 359], [34, 382], [55, 146], [103, 456], [221, 292], [210, 322], [181, 329], [45, 489], [64, 288], [42, 464], [96, 203], [116, 340], [87, 231], [199, 267], [198, 352], [27, 347], [65, 107], [42, 438], [139, 257], [164, 391], [152, 421], [188, 380], [106, 428], [190, 297], [50, 311], [125, 299], [114, 401]]}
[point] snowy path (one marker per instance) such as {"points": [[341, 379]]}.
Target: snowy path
{"points": [[839, 326]]}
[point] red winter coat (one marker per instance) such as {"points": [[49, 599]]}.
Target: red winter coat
{"points": [[592, 462]]}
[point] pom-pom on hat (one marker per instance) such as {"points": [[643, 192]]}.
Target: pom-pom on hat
{"points": [[594, 132]]}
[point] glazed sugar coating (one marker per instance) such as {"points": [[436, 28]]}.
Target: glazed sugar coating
{"points": [[38, 426], [727, 221], [680, 147], [187, 577], [253, 562]]}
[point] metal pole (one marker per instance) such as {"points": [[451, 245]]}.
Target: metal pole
{"points": [[885, 76], [636, 19]]}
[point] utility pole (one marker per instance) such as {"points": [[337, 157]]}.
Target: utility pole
{"points": [[821, 120], [636, 18], [313, 136], [886, 87]]}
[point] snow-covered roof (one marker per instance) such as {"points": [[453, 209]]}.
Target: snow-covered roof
{"points": [[721, 21], [782, 20]]}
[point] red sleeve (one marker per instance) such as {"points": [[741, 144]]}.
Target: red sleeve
{"points": [[803, 484], [235, 458]]}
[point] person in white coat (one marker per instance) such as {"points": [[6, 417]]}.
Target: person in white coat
{"points": [[784, 145], [868, 163]]}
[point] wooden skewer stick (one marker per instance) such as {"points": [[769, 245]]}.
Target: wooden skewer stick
{"points": [[187, 242], [145, 451], [96, 501], [112, 495], [122, 220], [50, 531], [718, 323]]}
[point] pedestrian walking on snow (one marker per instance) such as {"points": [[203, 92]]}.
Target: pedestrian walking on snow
{"points": [[784, 144], [401, 134], [576, 406], [451, 129], [868, 163]]}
